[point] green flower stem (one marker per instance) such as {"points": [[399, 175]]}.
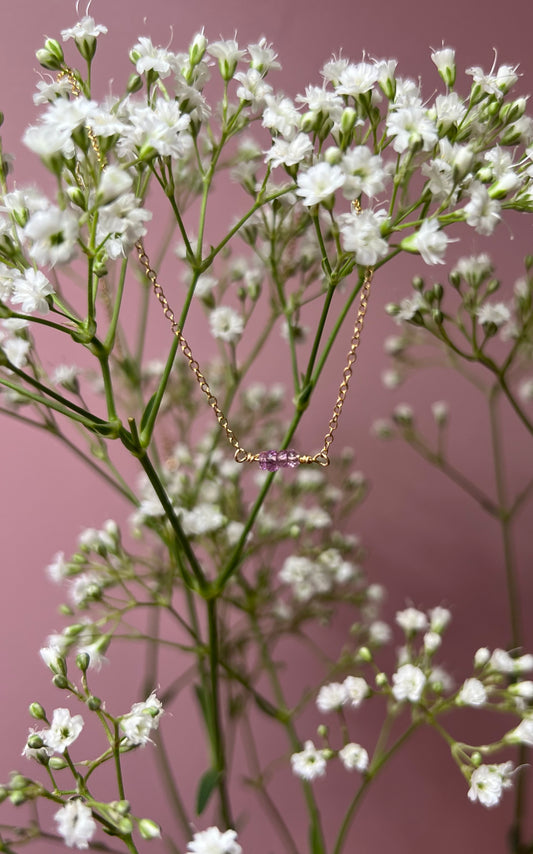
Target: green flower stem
{"points": [[118, 767], [283, 302], [130, 844], [516, 832], [514, 403], [260, 202], [53, 430], [148, 429], [41, 321], [371, 774], [455, 475], [513, 591], [109, 341], [521, 498], [103, 358], [340, 320], [146, 297], [66, 408], [259, 784], [170, 786], [288, 724], [216, 728], [173, 521]]}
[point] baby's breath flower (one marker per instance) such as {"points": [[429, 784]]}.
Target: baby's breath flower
{"points": [[440, 410], [30, 291], [430, 241], [408, 683], [411, 620], [361, 234], [202, 519], [496, 314], [53, 234], [319, 183], [482, 212], [391, 378], [474, 268], [481, 657], [289, 152], [379, 632], [310, 763], [214, 841], [64, 730], [525, 390], [58, 569], [432, 641], [411, 127], [228, 54], [488, 782], [141, 720], [472, 693], [444, 59], [522, 689], [439, 618], [226, 324], [409, 307], [354, 757], [75, 824], [356, 689], [83, 28], [501, 661], [263, 56], [523, 734], [281, 116], [147, 57], [331, 697]]}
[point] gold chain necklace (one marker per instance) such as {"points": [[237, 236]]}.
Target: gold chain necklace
{"points": [[270, 460]]}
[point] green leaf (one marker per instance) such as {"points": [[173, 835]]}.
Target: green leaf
{"points": [[207, 786], [147, 412]]}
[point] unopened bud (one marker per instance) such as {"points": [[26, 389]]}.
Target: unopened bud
{"points": [[364, 654], [197, 49], [83, 661], [51, 55], [149, 829], [37, 712], [135, 82], [57, 763]]}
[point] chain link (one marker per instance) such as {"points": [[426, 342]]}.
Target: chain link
{"points": [[350, 361], [241, 455]]}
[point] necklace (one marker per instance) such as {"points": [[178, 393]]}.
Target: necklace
{"points": [[270, 460]]}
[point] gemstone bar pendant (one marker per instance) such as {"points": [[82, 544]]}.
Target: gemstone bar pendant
{"points": [[274, 460]]}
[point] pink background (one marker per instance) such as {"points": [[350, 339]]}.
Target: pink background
{"points": [[426, 541]]}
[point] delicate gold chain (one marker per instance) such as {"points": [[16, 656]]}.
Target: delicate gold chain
{"points": [[268, 460], [241, 454]]}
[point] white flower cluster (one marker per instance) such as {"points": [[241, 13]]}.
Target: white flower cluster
{"points": [[214, 841], [63, 731], [141, 721], [309, 577]]}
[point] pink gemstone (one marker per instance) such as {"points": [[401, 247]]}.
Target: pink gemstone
{"points": [[288, 458], [268, 461]]}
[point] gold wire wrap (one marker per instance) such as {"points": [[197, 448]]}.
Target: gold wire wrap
{"points": [[241, 455]]}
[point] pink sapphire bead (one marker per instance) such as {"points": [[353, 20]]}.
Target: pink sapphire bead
{"points": [[288, 459], [274, 460]]}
